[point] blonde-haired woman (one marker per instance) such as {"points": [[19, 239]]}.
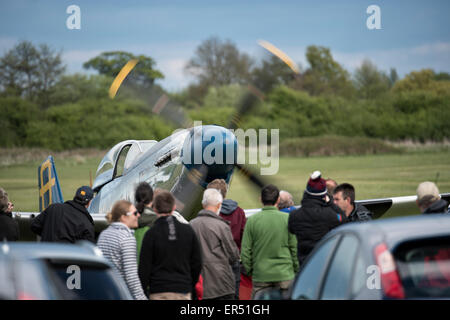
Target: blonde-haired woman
{"points": [[118, 245]]}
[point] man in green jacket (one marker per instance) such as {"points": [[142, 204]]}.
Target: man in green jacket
{"points": [[269, 251]]}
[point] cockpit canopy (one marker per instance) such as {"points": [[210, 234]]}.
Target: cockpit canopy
{"points": [[117, 161]]}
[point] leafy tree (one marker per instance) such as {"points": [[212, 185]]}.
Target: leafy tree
{"points": [[17, 114], [75, 87], [369, 81], [325, 75], [272, 72], [224, 96], [30, 72], [393, 77], [442, 76], [110, 64], [218, 63], [49, 71], [97, 123], [424, 80]]}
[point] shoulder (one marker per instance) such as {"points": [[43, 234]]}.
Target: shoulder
{"points": [[363, 213], [183, 226], [239, 211], [56, 207]]}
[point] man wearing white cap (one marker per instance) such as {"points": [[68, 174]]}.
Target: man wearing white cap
{"points": [[429, 200]]}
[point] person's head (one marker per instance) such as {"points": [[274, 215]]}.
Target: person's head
{"points": [[331, 185], [316, 186], [143, 196], [124, 211], [285, 200], [344, 197], [163, 203], [5, 205], [84, 196], [212, 200], [270, 195], [427, 194], [220, 185]]}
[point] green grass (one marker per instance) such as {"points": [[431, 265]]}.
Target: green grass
{"points": [[21, 181], [374, 176]]}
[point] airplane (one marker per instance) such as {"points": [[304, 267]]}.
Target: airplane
{"points": [[183, 163]]}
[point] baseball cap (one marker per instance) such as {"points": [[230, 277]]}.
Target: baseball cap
{"points": [[84, 194]]}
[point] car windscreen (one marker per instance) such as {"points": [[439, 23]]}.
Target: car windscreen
{"points": [[424, 267], [88, 282]]}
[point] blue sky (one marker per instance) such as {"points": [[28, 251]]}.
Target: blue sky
{"points": [[414, 34]]}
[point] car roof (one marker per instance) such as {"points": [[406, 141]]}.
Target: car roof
{"points": [[80, 252], [393, 231]]}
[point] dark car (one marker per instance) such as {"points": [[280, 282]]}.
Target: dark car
{"points": [[398, 258], [52, 271]]}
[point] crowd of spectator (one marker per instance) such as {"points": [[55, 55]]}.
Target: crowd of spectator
{"points": [[161, 256]]}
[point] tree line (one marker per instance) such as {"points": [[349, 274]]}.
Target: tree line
{"points": [[43, 106]]}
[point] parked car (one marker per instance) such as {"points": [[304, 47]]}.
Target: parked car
{"points": [[48, 271], [398, 258]]}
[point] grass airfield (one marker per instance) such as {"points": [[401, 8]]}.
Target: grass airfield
{"points": [[374, 176]]}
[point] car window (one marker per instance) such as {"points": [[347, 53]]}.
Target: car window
{"points": [[359, 276], [339, 276], [424, 268], [308, 282], [30, 281], [94, 283]]}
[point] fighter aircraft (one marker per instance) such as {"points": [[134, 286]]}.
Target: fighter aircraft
{"points": [[183, 163]]}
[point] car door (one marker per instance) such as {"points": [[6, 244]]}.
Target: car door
{"points": [[308, 282], [345, 274]]}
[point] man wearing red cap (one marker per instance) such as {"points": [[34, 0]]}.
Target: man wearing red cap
{"points": [[317, 215]]}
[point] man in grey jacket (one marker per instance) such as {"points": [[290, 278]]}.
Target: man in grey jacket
{"points": [[219, 251]]}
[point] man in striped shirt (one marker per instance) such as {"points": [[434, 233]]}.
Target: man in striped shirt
{"points": [[118, 245]]}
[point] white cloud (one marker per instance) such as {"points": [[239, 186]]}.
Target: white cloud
{"points": [[75, 58], [175, 77]]}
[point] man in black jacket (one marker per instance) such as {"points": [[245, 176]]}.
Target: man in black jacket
{"points": [[9, 228], [67, 222], [317, 215], [170, 261]]}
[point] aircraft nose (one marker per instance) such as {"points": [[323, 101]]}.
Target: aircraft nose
{"points": [[213, 146]]}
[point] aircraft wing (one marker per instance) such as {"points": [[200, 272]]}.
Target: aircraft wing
{"points": [[385, 207]]}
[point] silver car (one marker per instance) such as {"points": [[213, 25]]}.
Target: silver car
{"points": [[48, 271], [397, 258]]}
